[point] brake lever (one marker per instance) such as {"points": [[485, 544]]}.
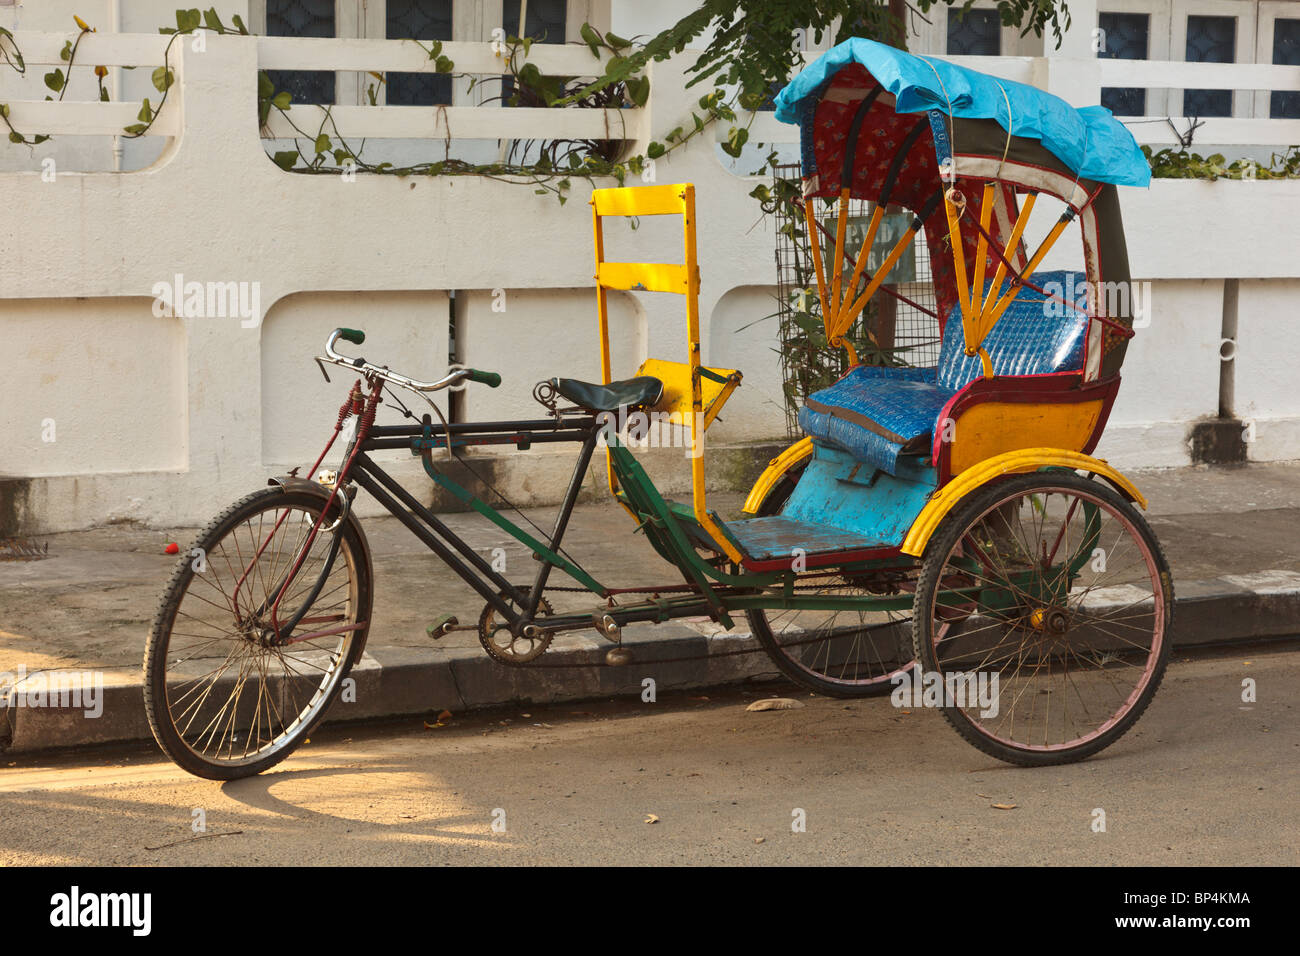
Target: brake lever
{"points": [[321, 365]]}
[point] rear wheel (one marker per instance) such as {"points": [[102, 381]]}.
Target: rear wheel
{"points": [[224, 699], [1049, 592], [836, 653]]}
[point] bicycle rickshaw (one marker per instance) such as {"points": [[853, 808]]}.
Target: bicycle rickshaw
{"points": [[946, 520]]}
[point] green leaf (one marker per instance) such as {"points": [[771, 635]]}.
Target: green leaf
{"points": [[736, 140], [591, 38], [15, 137], [323, 143], [529, 75], [187, 21], [807, 323], [286, 159], [238, 21], [54, 80], [66, 52], [616, 41], [443, 65], [103, 95], [638, 90], [655, 150], [163, 78], [135, 129], [146, 112], [281, 100], [265, 88], [213, 21]]}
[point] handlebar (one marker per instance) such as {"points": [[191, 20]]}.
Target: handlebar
{"points": [[490, 379], [357, 337]]}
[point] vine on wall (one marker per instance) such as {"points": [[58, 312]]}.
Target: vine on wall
{"points": [[321, 147]]}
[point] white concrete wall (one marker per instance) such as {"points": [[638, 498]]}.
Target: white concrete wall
{"points": [[1267, 378], [164, 419], [95, 385], [1170, 375]]}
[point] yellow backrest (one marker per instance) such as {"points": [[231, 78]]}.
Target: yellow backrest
{"points": [[678, 278]]}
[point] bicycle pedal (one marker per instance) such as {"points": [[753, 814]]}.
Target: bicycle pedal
{"points": [[442, 626]]}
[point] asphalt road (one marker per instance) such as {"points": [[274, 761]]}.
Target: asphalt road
{"points": [[1204, 778]]}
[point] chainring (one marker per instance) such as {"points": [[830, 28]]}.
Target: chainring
{"points": [[517, 650]]}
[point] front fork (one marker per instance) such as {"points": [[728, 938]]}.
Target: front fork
{"points": [[279, 634]]}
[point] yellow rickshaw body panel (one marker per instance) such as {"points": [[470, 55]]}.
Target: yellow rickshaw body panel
{"points": [[1013, 462]]}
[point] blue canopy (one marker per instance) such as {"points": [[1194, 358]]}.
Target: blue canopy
{"points": [[1089, 141]]}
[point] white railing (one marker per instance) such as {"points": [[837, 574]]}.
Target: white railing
{"points": [[84, 118], [293, 53], [1078, 81], [454, 122]]}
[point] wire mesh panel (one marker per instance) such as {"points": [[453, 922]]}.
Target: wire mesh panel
{"points": [[899, 325]]}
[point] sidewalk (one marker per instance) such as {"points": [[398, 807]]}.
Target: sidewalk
{"points": [[1232, 536]]}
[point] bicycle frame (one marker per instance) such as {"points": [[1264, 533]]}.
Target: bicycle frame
{"points": [[713, 589], [708, 590]]}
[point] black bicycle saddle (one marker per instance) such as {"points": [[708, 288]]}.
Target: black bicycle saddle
{"points": [[638, 392]]}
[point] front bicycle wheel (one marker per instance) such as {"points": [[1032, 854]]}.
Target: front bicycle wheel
{"points": [[1043, 617], [224, 698]]}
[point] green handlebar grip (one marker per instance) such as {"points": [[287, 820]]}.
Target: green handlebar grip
{"points": [[490, 379], [355, 336]]}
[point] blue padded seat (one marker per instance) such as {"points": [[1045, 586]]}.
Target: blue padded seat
{"points": [[878, 413], [1035, 335]]}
